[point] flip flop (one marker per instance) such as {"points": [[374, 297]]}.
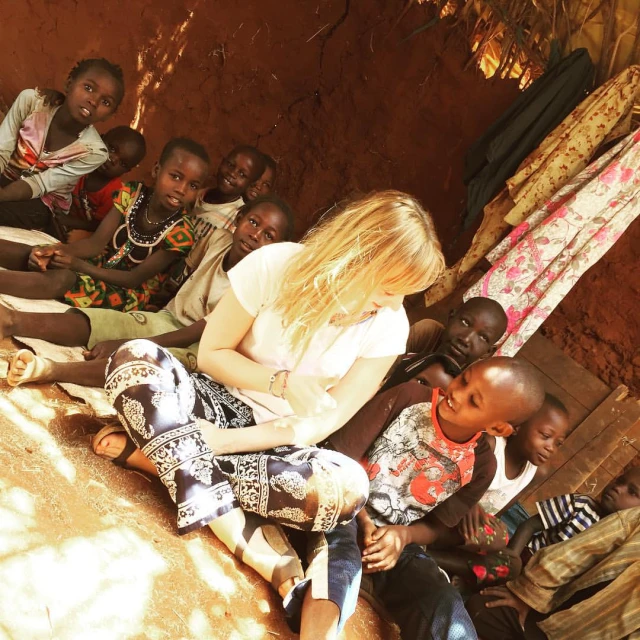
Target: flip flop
{"points": [[121, 459]]}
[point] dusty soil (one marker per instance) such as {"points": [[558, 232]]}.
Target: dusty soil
{"points": [[88, 550], [598, 323]]}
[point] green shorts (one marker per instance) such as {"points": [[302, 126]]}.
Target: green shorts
{"points": [[108, 324]]}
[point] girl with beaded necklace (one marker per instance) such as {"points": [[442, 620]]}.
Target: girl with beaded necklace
{"points": [[301, 340], [46, 147], [126, 260]]}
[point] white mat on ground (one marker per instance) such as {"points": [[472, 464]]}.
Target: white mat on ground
{"points": [[95, 397]]}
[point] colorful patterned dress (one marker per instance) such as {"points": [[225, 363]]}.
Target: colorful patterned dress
{"points": [[128, 249]]}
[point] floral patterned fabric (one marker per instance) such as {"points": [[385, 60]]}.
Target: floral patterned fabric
{"points": [[603, 116], [539, 262]]}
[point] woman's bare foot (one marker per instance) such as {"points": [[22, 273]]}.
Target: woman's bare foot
{"points": [[25, 367], [112, 443]]}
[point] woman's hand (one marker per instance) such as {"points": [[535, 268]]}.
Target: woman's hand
{"points": [[102, 350], [307, 395], [40, 256]]}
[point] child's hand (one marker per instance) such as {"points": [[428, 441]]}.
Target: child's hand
{"points": [[366, 528], [474, 519], [102, 350], [507, 599], [40, 257], [307, 395], [62, 260], [383, 553]]}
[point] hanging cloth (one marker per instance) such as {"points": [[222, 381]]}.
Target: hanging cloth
{"points": [[539, 262], [536, 112]]}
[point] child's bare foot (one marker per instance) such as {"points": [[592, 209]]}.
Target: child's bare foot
{"points": [[6, 321], [25, 367]]}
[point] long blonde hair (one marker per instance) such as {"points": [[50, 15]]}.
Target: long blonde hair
{"points": [[385, 240]]}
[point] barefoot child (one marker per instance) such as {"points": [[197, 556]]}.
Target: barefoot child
{"points": [[94, 193], [426, 469], [124, 262], [178, 327], [217, 207], [520, 458], [265, 183], [44, 149]]}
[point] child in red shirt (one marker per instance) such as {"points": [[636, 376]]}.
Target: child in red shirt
{"points": [[93, 195]]}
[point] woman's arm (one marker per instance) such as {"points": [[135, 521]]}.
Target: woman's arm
{"points": [[524, 533], [157, 262], [350, 394], [95, 244]]}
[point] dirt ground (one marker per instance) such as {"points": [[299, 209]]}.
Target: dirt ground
{"points": [[88, 550]]}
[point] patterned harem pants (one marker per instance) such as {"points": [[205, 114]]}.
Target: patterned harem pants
{"points": [[159, 403]]}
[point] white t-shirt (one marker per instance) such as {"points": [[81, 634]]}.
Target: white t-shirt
{"points": [[502, 491], [255, 281]]}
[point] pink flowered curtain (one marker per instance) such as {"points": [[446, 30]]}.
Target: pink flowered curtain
{"points": [[539, 262]]}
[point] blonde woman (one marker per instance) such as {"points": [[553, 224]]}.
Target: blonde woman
{"points": [[299, 343]]}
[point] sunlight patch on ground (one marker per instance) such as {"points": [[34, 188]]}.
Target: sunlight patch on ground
{"points": [[19, 402], [209, 569], [98, 587]]}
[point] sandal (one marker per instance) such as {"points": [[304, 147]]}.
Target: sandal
{"points": [[121, 459]]}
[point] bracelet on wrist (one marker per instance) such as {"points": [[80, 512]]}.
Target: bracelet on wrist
{"points": [[272, 381]]}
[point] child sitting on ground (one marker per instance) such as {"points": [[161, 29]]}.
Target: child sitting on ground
{"points": [[470, 335], [45, 148], [562, 517], [265, 183], [585, 588], [94, 193], [217, 207], [520, 458], [124, 262], [179, 327], [472, 331], [427, 468]]}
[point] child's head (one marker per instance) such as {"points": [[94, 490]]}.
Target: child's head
{"points": [[179, 174], [538, 438], [366, 257], [622, 492], [238, 170], [263, 221], [265, 183], [473, 330], [94, 90], [490, 395], [126, 148]]}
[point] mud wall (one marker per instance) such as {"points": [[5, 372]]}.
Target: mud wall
{"points": [[327, 87]]}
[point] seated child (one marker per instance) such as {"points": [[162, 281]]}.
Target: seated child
{"points": [[470, 335], [94, 193], [217, 207], [520, 458], [584, 588], [264, 221], [124, 262], [45, 148], [265, 183], [562, 517], [427, 468], [472, 332]]}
